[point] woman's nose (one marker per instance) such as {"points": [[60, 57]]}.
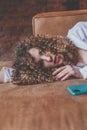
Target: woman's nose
{"points": [[46, 58]]}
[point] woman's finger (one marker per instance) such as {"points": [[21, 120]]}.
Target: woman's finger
{"points": [[58, 70]]}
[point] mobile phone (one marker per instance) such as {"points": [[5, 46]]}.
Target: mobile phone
{"points": [[77, 89]]}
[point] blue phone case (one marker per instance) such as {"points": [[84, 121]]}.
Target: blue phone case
{"points": [[77, 89]]}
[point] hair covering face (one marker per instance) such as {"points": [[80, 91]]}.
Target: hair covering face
{"points": [[28, 72]]}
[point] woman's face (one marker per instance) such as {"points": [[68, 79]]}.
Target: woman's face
{"points": [[46, 59]]}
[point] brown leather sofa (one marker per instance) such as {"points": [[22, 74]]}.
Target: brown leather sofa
{"points": [[57, 23], [45, 106]]}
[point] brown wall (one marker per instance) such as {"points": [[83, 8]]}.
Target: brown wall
{"points": [[15, 20]]}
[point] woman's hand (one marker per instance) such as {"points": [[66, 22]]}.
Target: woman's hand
{"points": [[65, 72]]}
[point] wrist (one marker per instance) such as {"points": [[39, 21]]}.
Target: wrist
{"points": [[79, 73], [83, 72]]}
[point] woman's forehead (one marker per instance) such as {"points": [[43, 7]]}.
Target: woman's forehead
{"points": [[40, 49]]}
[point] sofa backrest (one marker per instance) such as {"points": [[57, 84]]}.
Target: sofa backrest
{"points": [[57, 23]]}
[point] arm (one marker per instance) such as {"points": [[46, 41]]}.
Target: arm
{"points": [[78, 35], [67, 71]]}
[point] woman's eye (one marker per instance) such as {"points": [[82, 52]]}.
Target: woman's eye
{"points": [[40, 52], [33, 59], [41, 63]]}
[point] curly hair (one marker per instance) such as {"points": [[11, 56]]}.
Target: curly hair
{"points": [[25, 69]]}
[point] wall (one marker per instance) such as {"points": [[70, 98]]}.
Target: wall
{"points": [[16, 17]]}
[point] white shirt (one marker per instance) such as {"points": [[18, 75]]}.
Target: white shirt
{"points": [[7, 74], [78, 36]]}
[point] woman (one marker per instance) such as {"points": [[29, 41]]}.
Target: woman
{"points": [[78, 36], [68, 64]]}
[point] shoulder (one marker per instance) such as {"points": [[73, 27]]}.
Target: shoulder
{"points": [[80, 24]]}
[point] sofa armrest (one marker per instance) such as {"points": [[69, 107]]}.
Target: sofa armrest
{"points": [[57, 23]]}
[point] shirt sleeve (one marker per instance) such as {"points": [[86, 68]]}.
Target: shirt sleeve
{"points": [[83, 71], [7, 74]]}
